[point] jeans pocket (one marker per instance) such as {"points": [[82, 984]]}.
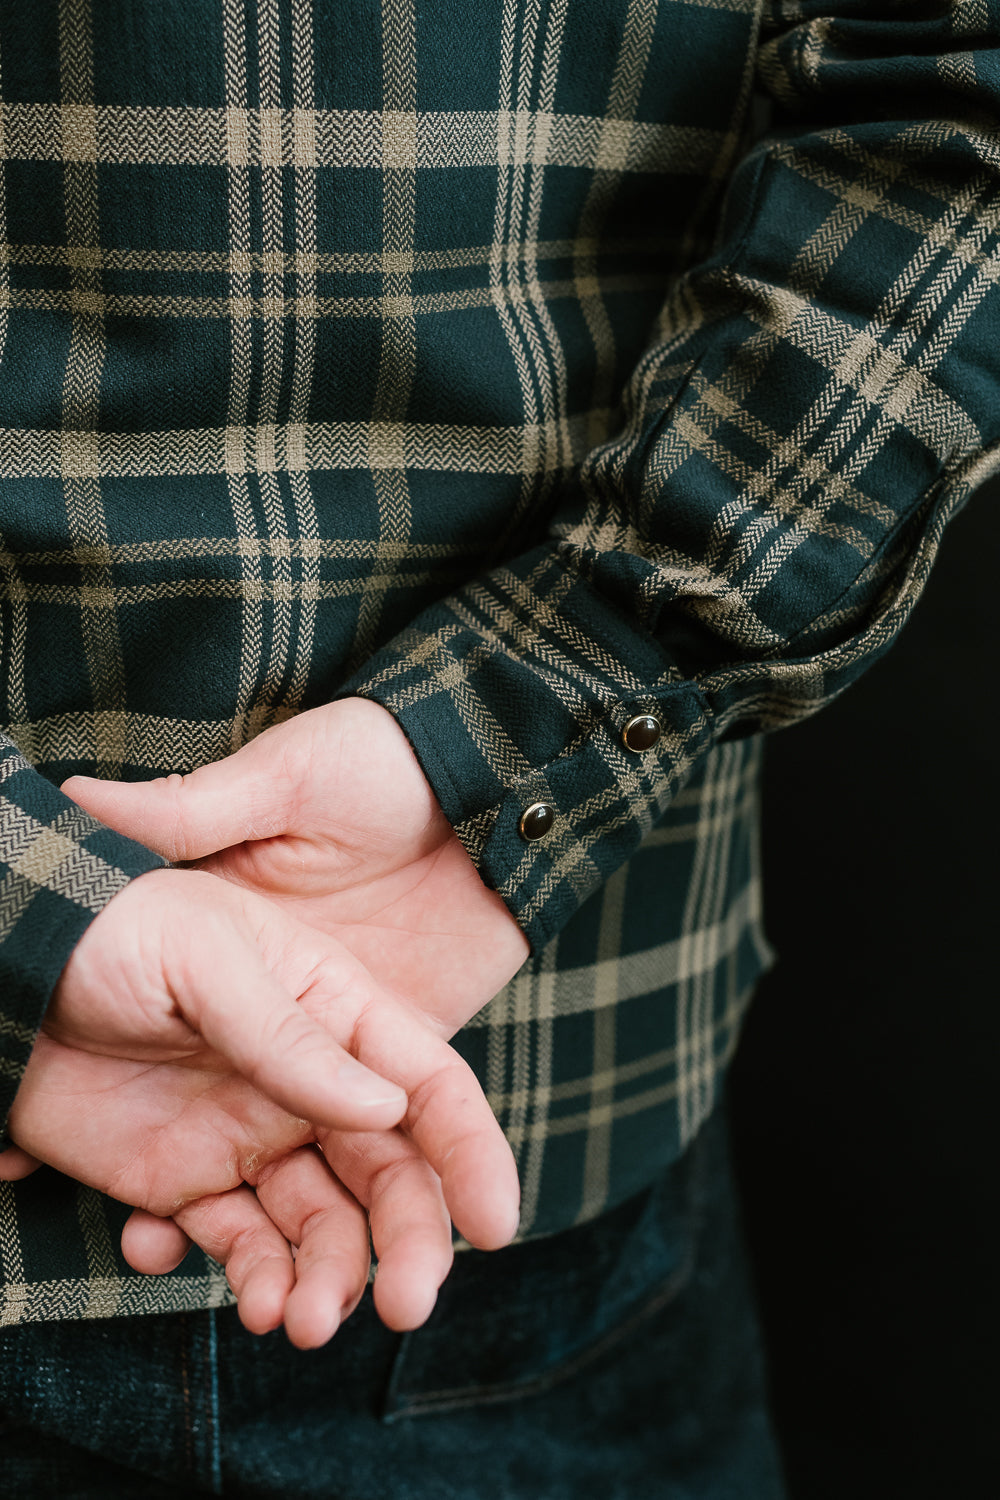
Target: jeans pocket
{"points": [[514, 1322]]}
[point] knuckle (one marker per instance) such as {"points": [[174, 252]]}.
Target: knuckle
{"points": [[174, 790], [383, 1179], [286, 1033], [452, 1083]]}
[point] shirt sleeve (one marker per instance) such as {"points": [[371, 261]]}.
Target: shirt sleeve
{"points": [[58, 869], [820, 398]]}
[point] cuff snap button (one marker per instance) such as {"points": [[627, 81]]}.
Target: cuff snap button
{"points": [[641, 733], [536, 820]]}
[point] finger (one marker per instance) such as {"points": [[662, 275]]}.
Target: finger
{"points": [[453, 1125], [279, 1048], [410, 1224], [317, 1214], [153, 1245], [186, 817], [450, 1121], [234, 1229], [16, 1164]]}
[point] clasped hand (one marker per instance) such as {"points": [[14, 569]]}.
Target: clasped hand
{"points": [[251, 1050]]}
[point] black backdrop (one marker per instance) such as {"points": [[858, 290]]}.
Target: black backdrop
{"points": [[865, 1098]]}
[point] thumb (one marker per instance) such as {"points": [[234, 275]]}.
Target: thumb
{"points": [[188, 817], [244, 1013]]}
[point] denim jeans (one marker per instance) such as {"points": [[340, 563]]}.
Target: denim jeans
{"points": [[617, 1359]]}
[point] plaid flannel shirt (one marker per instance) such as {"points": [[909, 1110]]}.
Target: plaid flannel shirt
{"points": [[502, 363]]}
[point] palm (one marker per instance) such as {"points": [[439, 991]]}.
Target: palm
{"points": [[153, 1135], [426, 928]]}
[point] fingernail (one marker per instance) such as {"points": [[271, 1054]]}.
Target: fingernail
{"points": [[366, 1087]]}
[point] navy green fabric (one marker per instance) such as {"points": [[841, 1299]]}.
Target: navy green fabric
{"points": [[523, 367]]}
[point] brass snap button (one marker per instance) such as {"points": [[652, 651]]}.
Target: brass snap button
{"points": [[641, 733], [536, 820]]}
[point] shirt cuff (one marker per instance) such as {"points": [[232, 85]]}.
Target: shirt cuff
{"points": [[522, 691], [58, 869]]}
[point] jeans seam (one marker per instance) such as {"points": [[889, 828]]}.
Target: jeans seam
{"points": [[215, 1455]]}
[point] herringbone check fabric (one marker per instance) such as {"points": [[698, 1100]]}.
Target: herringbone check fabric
{"points": [[522, 366]]}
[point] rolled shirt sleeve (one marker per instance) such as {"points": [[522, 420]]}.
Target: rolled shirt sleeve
{"points": [[820, 398]]}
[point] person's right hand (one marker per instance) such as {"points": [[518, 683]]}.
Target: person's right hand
{"points": [[183, 991], [181, 968]]}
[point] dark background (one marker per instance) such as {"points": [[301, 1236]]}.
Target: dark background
{"points": [[865, 1093]]}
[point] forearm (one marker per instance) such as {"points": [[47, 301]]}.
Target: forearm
{"points": [[821, 397]]}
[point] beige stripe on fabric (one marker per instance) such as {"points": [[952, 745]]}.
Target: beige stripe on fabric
{"points": [[522, 139], [724, 783], [519, 1050], [13, 587], [200, 549], [272, 353], [508, 1055], [240, 129], [597, 1153], [504, 283], [104, 1283], [158, 744], [959, 69], [13, 1031], [328, 445], [547, 638], [635, 1103], [81, 393], [519, 1047], [883, 366], [273, 593], [305, 310], [10, 764], [921, 174], [532, 1161], [969, 16], [5, 265], [150, 135], [527, 87], [614, 1080], [340, 262], [398, 352], [549, 358], [47, 1301], [304, 256]]}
